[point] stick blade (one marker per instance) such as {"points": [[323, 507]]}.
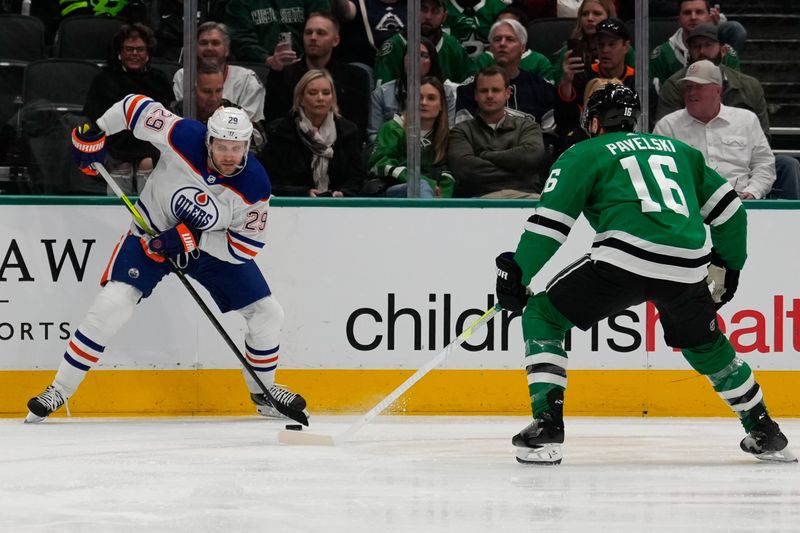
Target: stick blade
{"points": [[303, 438]]}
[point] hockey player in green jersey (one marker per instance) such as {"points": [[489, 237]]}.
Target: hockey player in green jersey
{"points": [[648, 198]]}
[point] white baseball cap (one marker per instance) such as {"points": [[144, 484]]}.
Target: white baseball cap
{"points": [[703, 72]]}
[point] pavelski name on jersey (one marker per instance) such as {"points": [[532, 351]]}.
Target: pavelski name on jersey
{"points": [[635, 144]]}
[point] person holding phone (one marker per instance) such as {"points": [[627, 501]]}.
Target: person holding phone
{"points": [[613, 43], [590, 14], [259, 29]]}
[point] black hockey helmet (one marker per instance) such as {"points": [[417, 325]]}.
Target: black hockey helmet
{"points": [[617, 108]]}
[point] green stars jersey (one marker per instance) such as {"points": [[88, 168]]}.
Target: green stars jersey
{"points": [[648, 199], [470, 25]]}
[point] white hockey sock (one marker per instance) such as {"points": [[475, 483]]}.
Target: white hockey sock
{"points": [[264, 319], [111, 309]]}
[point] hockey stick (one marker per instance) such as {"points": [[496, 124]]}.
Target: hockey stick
{"points": [[294, 414], [297, 437]]}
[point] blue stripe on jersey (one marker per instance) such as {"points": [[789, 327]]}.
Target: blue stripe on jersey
{"points": [[188, 138], [268, 369], [144, 103], [261, 352], [73, 362], [88, 342], [235, 254], [252, 183], [246, 240]]}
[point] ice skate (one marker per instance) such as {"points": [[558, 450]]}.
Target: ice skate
{"points": [[42, 406], [767, 442], [283, 395], [540, 442]]}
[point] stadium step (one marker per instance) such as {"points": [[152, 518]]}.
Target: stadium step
{"points": [[772, 70], [770, 25], [766, 49]]}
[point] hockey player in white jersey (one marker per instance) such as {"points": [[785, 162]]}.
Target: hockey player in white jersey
{"points": [[208, 203]]}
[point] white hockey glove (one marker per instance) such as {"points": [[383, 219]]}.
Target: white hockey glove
{"points": [[722, 281]]}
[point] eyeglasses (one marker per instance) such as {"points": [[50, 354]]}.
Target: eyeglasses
{"points": [[134, 49]]}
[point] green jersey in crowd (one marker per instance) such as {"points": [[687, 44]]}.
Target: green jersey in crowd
{"points": [[671, 56], [471, 25], [531, 61], [647, 197], [455, 63], [388, 160], [255, 25]]}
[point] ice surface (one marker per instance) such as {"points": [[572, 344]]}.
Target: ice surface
{"points": [[399, 474]]}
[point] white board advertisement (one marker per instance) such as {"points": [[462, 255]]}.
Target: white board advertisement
{"points": [[363, 287]]}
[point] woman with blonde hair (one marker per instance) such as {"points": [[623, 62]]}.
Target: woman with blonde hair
{"points": [[314, 151], [388, 161], [584, 37]]}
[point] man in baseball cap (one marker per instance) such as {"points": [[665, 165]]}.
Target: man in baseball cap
{"points": [[703, 72]]}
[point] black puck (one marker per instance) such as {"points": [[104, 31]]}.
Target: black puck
{"points": [[294, 427]]}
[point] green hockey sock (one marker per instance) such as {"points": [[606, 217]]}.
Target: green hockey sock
{"points": [[545, 358], [731, 377]]}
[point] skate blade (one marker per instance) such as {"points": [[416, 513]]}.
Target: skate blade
{"points": [[307, 439], [781, 456], [545, 455], [33, 419]]}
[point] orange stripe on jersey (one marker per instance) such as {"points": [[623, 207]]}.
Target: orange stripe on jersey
{"points": [[241, 247], [132, 107], [83, 354], [104, 277]]}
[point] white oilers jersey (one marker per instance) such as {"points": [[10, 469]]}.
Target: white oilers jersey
{"points": [[230, 211]]}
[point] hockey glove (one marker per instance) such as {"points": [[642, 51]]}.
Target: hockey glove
{"points": [[88, 146], [175, 241], [511, 294], [722, 281]]}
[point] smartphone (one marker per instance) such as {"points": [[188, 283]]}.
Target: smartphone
{"points": [[580, 48], [285, 37]]}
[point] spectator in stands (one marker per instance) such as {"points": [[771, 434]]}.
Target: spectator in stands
{"points": [[497, 154], [591, 13], [257, 28], [320, 37], [531, 61], [530, 93], [389, 99], [613, 43], [729, 137], [388, 160], [739, 90], [731, 32], [366, 25], [470, 21], [456, 65], [669, 57], [314, 151], [169, 29], [208, 91], [130, 160], [242, 86]]}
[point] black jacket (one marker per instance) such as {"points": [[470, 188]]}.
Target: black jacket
{"points": [[114, 84], [288, 160], [352, 92]]}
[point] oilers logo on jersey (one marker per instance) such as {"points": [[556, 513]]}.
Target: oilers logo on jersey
{"points": [[194, 207]]}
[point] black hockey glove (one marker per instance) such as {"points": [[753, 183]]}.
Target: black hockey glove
{"points": [[175, 241], [511, 294], [722, 281], [88, 146]]}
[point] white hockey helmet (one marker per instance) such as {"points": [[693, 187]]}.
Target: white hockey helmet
{"points": [[230, 124]]}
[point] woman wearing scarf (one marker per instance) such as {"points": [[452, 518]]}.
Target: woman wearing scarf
{"points": [[314, 151]]}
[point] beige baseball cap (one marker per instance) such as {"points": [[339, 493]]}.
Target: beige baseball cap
{"points": [[703, 72]]}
